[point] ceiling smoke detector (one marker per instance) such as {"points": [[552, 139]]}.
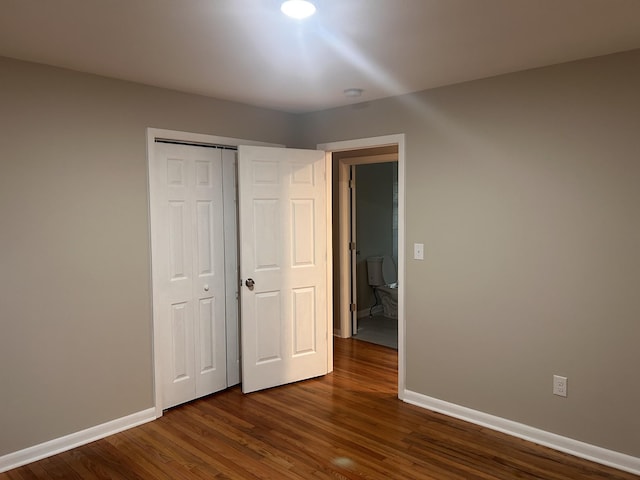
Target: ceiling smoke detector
{"points": [[298, 9]]}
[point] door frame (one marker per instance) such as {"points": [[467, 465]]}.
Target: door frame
{"points": [[186, 137], [350, 193], [347, 218], [344, 229]]}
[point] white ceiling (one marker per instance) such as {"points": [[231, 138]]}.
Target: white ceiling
{"points": [[247, 51]]}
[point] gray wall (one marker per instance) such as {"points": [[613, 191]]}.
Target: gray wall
{"points": [[523, 187], [75, 301], [374, 222], [525, 191]]}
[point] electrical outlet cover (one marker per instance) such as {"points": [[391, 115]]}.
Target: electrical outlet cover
{"points": [[560, 385]]}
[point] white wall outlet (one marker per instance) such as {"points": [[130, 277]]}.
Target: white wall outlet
{"points": [[418, 251], [560, 385]]}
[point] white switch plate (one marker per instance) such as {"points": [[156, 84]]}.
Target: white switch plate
{"points": [[418, 251]]}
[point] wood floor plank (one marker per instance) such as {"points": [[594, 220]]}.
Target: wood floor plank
{"points": [[348, 425]]}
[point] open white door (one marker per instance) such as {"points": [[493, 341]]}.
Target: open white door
{"points": [[353, 249], [283, 255]]}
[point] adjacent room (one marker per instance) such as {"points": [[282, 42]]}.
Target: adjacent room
{"points": [[409, 228]]}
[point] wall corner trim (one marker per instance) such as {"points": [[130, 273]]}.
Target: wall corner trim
{"points": [[587, 451], [73, 440]]}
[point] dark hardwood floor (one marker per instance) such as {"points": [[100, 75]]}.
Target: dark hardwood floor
{"points": [[347, 425]]}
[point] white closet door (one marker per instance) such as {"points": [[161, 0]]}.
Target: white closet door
{"points": [[283, 252], [189, 281], [230, 181]]}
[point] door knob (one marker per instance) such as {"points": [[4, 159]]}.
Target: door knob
{"points": [[249, 282], [206, 288]]}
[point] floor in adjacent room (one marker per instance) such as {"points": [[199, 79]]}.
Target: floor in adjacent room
{"points": [[378, 329]]}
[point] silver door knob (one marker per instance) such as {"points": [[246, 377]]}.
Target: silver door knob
{"points": [[249, 282], [206, 288]]}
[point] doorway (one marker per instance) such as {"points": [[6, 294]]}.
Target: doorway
{"points": [[366, 208], [376, 252], [347, 153]]}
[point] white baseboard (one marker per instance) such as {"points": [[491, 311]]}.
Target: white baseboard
{"points": [[73, 440], [593, 453], [338, 333]]}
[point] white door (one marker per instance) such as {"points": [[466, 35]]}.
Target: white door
{"points": [[283, 253], [189, 271]]}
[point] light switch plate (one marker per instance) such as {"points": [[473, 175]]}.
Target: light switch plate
{"points": [[418, 251]]}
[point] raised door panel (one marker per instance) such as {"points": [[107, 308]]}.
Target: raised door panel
{"points": [[182, 369], [303, 249], [268, 328], [266, 239], [179, 258], [305, 321]]}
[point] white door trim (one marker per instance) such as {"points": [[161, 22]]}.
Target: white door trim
{"points": [[382, 141], [152, 135]]}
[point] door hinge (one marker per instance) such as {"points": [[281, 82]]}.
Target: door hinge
{"points": [[352, 245], [352, 307], [352, 183]]}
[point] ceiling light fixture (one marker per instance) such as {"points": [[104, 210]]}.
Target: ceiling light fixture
{"points": [[353, 92], [298, 9]]}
